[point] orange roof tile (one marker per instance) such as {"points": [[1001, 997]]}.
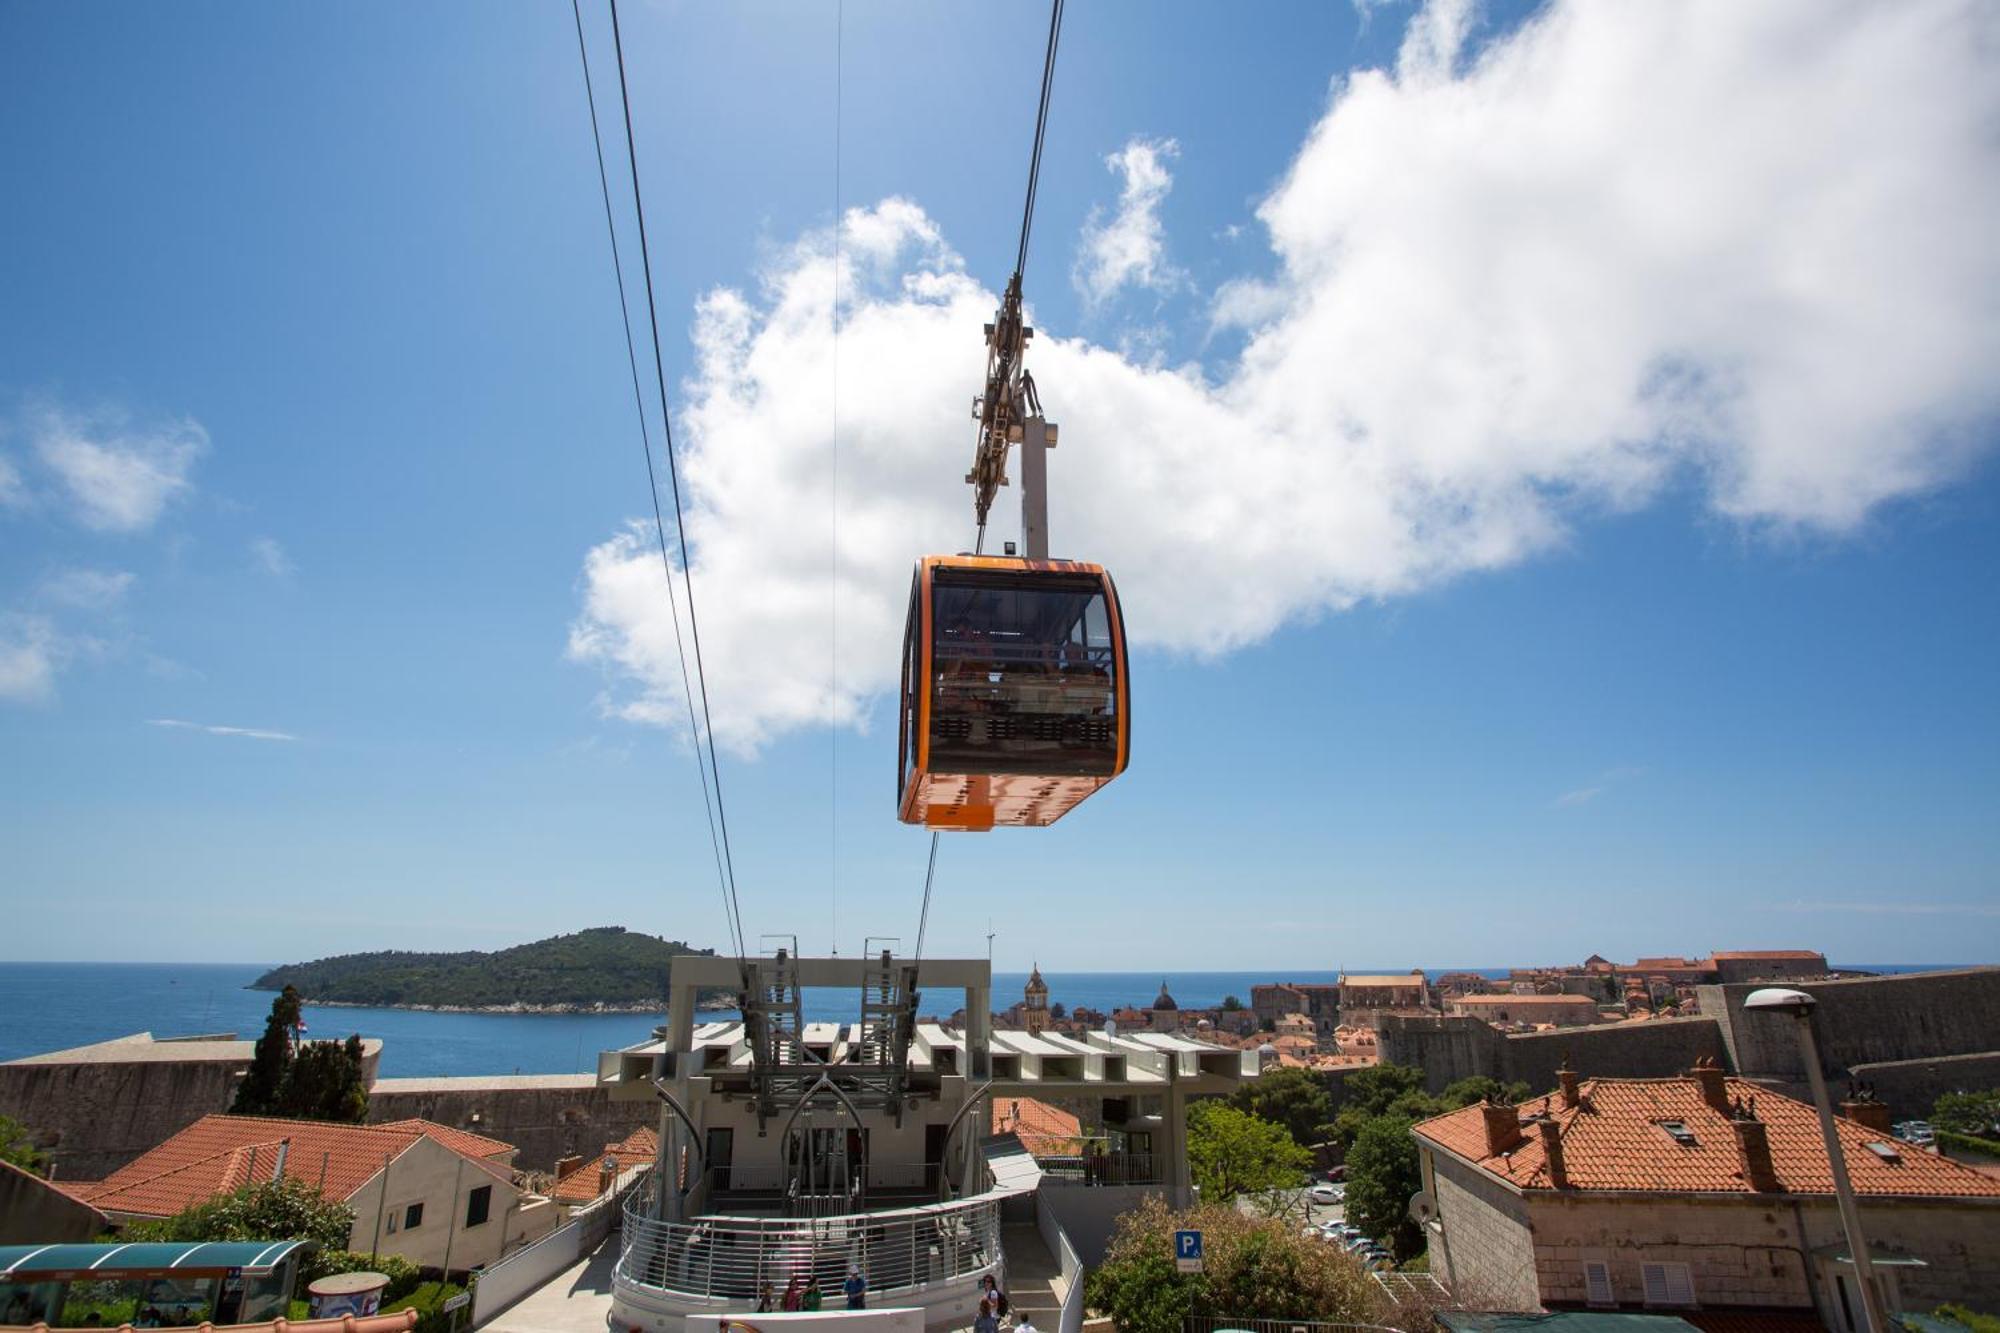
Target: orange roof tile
{"points": [[1612, 1140], [583, 1182], [219, 1153], [1040, 1126], [458, 1140]]}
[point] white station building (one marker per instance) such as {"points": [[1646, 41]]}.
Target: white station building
{"points": [[795, 1149]]}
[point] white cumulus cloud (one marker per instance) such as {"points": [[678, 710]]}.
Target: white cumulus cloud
{"points": [[268, 554], [1130, 247], [120, 477], [86, 589], [30, 652], [1743, 244]]}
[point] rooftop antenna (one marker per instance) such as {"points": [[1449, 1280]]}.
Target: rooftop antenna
{"points": [[989, 944]]}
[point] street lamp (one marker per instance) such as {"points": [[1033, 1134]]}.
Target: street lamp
{"points": [[1800, 1005]]}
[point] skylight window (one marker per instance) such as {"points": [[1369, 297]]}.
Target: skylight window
{"points": [[1886, 1151], [1678, 1132]]}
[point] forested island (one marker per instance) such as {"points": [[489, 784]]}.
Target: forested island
{"points": [[606, 968]]}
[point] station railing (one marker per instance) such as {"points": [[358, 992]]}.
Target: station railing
{"points": [[734, 1258], [1118, 1168]]}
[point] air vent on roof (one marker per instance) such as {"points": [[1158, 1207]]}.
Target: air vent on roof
{"points": [[1678, 1132], [1886, 1151]]}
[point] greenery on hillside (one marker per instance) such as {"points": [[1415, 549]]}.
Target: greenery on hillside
{"points": [[17, 1145], [609, 965]]}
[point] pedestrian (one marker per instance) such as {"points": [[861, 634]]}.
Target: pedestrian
{"points": [[856, 1288], [764, 1298], [996, 1296], [985, 1323], [791, 1297], [814, 1296], [1022, 1325]]}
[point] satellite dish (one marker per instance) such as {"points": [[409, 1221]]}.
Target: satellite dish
{"points": [[609, 1163], [1422, 1207], [1110, 1027]]}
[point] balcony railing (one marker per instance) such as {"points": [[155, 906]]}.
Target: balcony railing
{"points": [[775, 1178], [733, 1258], [1118, 1168]]}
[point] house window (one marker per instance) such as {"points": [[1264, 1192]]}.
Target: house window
{"points": [[1668, 1284], [392, 1222], [479, 1205], [413, 1217], [1597, 1283]]}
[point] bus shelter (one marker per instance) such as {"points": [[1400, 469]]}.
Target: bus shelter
{"points": [[148, 1284]]}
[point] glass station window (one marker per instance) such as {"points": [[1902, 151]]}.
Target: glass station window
{"points": [[1023, 674]]}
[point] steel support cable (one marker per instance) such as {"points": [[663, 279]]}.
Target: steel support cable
{"points": [[673, 477], [1033, 190], [652, 483]]}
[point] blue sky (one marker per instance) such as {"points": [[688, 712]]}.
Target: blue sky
{"points": [[1519, 570]]}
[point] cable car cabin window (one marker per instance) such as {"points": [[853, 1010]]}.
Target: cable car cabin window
{"points": [[1023, 675]]}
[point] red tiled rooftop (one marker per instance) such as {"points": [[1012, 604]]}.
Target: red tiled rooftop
{"points": [[1037, 1124], [1612, 1140], [458, 1140], [219, 1153], [585, 1181]]}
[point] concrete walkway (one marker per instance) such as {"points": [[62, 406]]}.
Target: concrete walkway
{"points": [[1034, 1278], [576, 1300]]}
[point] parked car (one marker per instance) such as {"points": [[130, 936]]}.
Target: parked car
{"points": [[1327, 1193], [1356, 1244], [1336, 1174]]}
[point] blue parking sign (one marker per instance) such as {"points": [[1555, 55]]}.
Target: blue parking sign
{"points": [[1187, 1251]]}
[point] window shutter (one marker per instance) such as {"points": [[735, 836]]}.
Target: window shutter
{"points": [[1668, 1284], [1597, 1281]]}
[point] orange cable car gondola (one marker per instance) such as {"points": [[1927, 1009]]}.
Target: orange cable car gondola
{"points": [[1016, 704]]}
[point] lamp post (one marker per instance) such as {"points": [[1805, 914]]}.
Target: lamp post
{"points": [[1800, 1005]]}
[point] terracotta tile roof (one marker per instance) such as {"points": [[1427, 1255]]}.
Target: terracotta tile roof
{"points": [[1391, 979], [584, 1182], [1501, 1001], [219, 1153], [1612, 1140], [458, 1140], [1040, 1126]]}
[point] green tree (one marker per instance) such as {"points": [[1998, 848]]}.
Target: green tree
{"points": [[324, 1082], [1383, 1171], [1232, 1152], [1480, 1088], [1394, 1090], [1294, 1098], [17, 1145], [1973, 1113], [1230, 1004], [258, 1093], [1251, 1269], [288, 1209]]}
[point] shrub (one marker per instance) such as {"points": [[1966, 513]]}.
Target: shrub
{"points": [[289, 1209], [1251, 1269]]}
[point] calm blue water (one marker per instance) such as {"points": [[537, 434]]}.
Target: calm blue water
{"points": [[51, 1006]]}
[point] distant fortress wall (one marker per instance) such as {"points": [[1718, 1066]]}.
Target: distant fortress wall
{"points": [[1448, 1049], [546, 1116], [93, 1117], [1913, 1036]]}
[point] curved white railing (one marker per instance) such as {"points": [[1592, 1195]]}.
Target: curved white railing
{"points": [[734, 1258]]}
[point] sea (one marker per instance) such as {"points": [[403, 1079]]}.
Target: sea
{"points": [[54, 1006]]}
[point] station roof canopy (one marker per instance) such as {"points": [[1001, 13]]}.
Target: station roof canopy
{"points": [[214, 1258]]}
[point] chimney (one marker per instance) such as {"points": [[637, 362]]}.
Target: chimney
{"points": [[1572, 1084], [1714, 1084], [606, 1178], [1753, 1147], [1867, 1111], [1503, 1127], [565, 1165], [1552, 1144]]}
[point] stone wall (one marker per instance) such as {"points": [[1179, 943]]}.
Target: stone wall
{"points": [[94, 1117], [1452, 1048], [546, 1117], [1910, 1088], [34, 1212], [1867, 1020], [1753, 1252], [1481, 1244]]}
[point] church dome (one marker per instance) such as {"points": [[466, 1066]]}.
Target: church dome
{"points": [[1036, 986], [1165, 1001]]}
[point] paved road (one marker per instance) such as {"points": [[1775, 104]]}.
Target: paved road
{"points": [[576, 1300]]}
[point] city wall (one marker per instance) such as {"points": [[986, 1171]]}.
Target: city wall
{"points": [[1451, 1048], [545, 1116], [1864, 1021], [93, 1117]]}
